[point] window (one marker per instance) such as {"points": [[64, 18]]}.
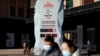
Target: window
{"points": [[28, 13], [20, 12], [69, 4], [12, 11]]}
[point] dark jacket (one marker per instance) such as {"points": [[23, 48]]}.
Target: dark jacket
{"points": [[89, 47], [55, 51]]}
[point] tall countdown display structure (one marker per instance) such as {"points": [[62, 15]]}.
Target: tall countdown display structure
{"points": [[48, 20]]}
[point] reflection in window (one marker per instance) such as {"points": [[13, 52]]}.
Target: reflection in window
{"points": [[67, 36]]}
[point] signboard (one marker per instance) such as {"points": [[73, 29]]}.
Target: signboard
{"points": [[10, 40], [48, 20]]}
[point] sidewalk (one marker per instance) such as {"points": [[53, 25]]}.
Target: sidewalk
{"points": [[11, 51], [19, 52], [84, 53]]}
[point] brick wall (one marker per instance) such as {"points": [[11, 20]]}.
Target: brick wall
{"points": [[5, 6]]}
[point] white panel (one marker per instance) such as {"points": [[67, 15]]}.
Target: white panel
{"points": [[48, 11]]}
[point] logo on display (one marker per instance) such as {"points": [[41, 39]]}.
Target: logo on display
{"points": [[47, 14], [48, 4]]}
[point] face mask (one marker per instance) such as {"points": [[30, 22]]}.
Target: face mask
{"points": [[47, 47], [66, 53]]}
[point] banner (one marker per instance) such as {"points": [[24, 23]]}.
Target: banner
{"points": [[48, 20]]}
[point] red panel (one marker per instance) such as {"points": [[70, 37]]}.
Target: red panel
{"points": [[48, 35], [54, 35]]}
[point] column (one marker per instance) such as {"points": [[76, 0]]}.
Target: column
{"points": [[25, 8], [91, 35], [80, 36], [16, 8]]}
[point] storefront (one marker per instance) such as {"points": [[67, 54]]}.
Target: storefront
{"points": [[13, 32], [83, 21]]}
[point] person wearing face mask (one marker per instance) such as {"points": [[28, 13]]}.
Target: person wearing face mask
{"points": [[50, 47], [69, 49]]}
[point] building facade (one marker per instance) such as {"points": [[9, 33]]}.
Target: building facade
{"points": [[76, 3], [15, 28], [79, 18]]}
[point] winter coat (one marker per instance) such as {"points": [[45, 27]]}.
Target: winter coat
{"points": [[76, 53], [55, 51]]}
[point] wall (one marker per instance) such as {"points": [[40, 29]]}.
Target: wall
{"points": [[5, 6], [96, 0], [87, 1], [77, 3]]}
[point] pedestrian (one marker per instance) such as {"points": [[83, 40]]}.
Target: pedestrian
{"points": [[50, 47], [69, 49], [26, 47], [89, 48]]}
